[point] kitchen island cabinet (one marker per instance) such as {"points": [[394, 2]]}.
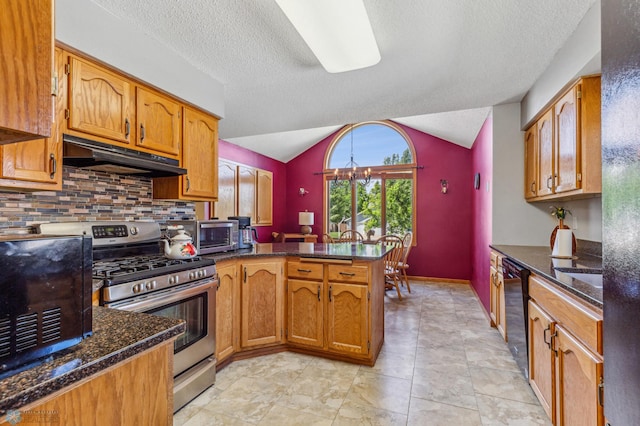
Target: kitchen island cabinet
{"points": [[122, 374]]}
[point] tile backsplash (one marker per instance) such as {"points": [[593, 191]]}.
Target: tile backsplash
{"points": [[89, 195]]}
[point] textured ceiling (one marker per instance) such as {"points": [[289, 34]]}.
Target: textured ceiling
{"points": [[438, 56]]}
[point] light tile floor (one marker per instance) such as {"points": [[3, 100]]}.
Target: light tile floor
{"points": [[441, 364]]}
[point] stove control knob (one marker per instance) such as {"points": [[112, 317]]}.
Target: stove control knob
{"points": [[133, 230], [201, 274], [192, 275], [138, 288], [173, 279], [151, 285]]}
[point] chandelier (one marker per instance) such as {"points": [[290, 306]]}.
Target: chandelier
{"points": [[351, 170]]}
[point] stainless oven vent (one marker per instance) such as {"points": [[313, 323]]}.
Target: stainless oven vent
{"points": [[51, 320], [26, 331], [5, 337]]}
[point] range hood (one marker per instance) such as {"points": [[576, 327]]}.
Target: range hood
{"points": [[88, 154]]}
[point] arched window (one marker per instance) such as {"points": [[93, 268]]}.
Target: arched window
{"points": [[370, 180]]}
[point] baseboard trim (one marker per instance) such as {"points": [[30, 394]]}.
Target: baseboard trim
{"points": [[439, 280]]}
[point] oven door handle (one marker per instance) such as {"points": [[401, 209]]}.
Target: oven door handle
{"points": [[165, 297]]}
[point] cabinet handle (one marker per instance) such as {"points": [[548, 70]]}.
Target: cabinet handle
{"points": [[549, 182], [318, 292], [245, 274], [601, 393], [348, 274], [330, 289], [127, 127], [188, 184], [533, 187], [304, 270], [53, 166], [141, 132], [544, 336]]}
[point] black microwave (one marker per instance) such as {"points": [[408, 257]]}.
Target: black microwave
{"points": [[209, 236], [45, 296]]}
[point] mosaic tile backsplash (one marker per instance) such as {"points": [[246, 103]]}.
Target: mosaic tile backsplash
{"points": [[89, 195]]}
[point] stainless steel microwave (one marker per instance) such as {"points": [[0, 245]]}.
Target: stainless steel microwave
{"points": [[211, 236]]}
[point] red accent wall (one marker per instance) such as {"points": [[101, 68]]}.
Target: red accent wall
{"points": [[482, 162], [444, 222], [232, 152]]}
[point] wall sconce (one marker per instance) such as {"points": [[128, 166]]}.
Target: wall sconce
{"points": [[444, 186], [302, 192]]}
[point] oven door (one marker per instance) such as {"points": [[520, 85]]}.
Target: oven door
{"points": [[195, 304]]}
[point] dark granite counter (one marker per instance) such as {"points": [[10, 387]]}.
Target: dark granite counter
{"points": [[345, 251], [538, 259], [117, 335]]}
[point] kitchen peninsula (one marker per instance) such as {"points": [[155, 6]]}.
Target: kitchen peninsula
{"points": [[122, 374], [320, 299]]}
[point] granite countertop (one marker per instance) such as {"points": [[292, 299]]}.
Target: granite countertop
{"points": [[117, 335], [538, 259], [345, 251]]}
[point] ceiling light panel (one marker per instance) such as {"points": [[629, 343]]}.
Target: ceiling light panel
{"points": [[338, 32]]}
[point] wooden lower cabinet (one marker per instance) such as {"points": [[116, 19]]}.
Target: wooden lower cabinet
{"points": [[565, 371], [227, 311], [305, 321], [348, 318], [138, 391], [262, 291], [497, 310]]}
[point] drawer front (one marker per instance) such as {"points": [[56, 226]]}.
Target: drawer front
{"points": [[581, 320], [348, 274], [309, 271]]}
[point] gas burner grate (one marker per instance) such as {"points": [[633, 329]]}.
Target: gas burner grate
{"points": [[119, 267]]}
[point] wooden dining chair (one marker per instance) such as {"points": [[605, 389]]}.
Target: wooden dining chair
{"points": [[392, 275], [326, 238], [351, 236], [407, 242]]}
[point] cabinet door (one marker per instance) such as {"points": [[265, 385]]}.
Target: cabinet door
{"points": [[567, 147], [200, 155], [227, 311], [262, 309], [247, 178], [501, 313], [26, 64], [159, 122], [578, 376], [347, 318], [100, 102], [530, 162], [545, 177], [227, 194], [541, 358], [264, 197], [306, 321], [493, 296]]}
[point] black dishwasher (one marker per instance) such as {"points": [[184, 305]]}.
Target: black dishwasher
{"points": [[516, 295]]}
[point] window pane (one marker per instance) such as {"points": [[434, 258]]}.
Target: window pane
{"points": [[339, 207], [369, 208], [399, 205]]}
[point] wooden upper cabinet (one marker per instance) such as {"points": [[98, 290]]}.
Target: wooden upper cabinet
{"points": [[199, 157], [36, 164], [159, 122], [568, 151], [530, 162], [264, 199], [100, 101], [26, 64], [227, 190], [247, 178], [567, 146], [544, 129]]}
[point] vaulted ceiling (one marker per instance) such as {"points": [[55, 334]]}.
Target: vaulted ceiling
{"points": [[444, 64]]}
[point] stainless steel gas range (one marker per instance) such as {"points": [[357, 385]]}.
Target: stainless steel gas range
{"points": [[134, 275]]}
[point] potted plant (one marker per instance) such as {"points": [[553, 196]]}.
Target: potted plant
{"points": [[560, 213]]}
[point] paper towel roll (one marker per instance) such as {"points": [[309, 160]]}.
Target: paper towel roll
{"points": [[563, 246]]}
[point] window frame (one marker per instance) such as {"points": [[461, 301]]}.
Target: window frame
{"points": [[382, 172]]}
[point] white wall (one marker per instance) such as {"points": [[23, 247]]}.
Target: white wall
{"points": [[93, 30], [579, 56]]}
